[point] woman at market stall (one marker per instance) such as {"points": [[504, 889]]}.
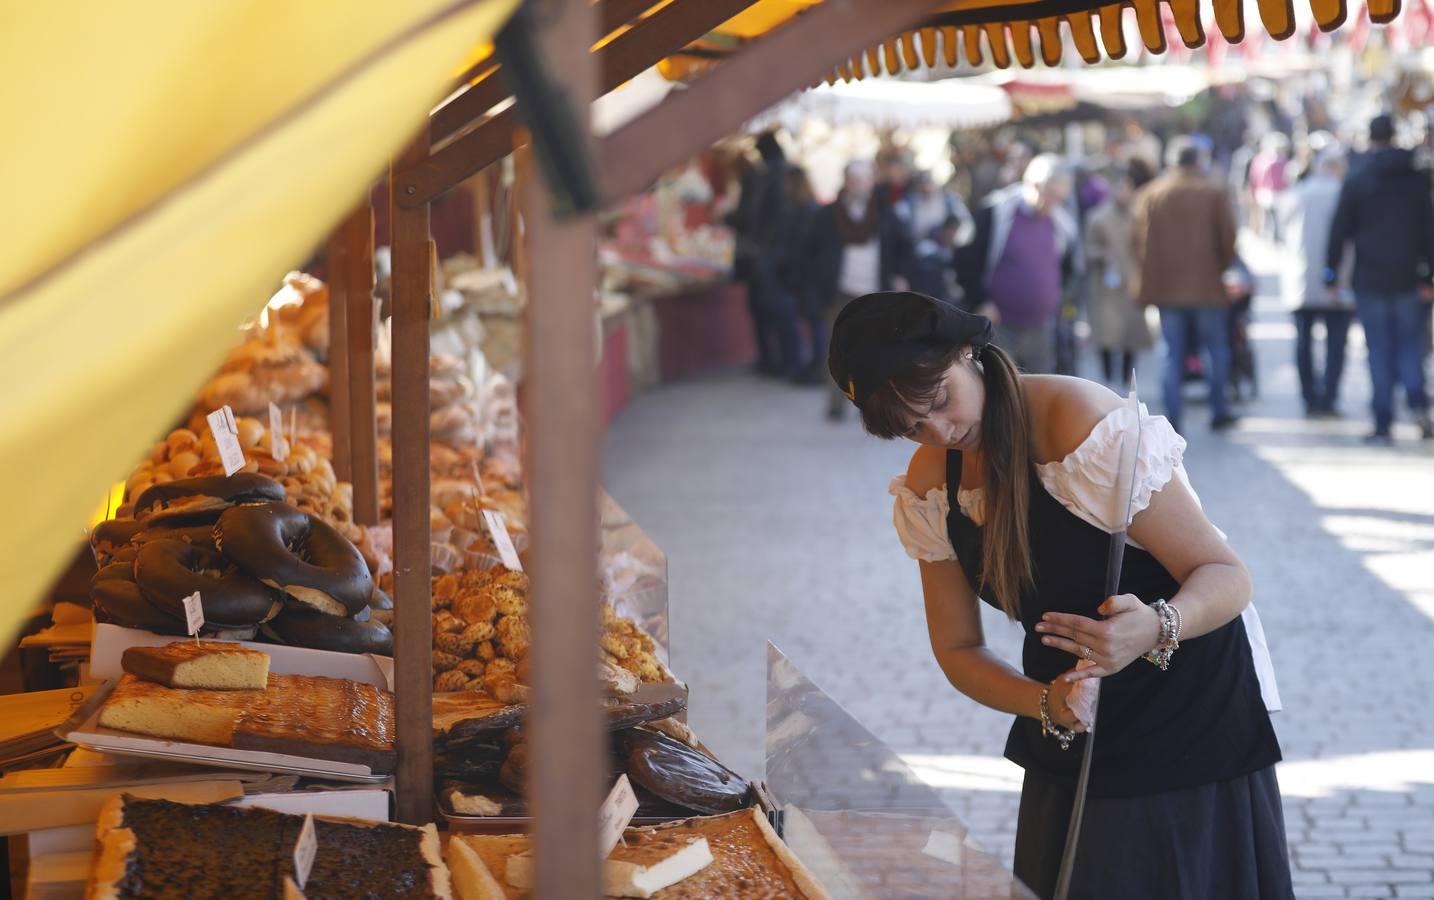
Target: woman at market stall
{"points": [[1010, 499]]}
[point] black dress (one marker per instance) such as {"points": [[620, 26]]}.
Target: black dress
{"points": [[1182, 801]]}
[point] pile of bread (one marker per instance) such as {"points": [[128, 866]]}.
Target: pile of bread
{"points": [[308, 478]]}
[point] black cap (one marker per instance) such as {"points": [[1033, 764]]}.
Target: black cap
{"points": [[1381, 128], [878, 336]]}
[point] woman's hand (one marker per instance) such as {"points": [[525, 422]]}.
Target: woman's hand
{"points": [[1063, 704], [1129, 630]]}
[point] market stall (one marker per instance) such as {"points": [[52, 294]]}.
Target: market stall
{"points": [[237, 526]]}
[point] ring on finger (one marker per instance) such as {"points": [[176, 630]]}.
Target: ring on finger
{"points": [[1087, 652]]}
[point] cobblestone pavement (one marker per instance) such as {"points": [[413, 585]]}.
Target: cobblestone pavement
{"points": [[777, 527]]}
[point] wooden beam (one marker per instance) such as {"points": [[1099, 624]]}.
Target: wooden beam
{"points": [[568, 747], [362, 321], [413, 601], [466, 108], [339, 353], [790, 58], [627, 56]]}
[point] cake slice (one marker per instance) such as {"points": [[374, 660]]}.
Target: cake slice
{"points": [[213, 665], [195, 716], [297, 715], [638, 870]]}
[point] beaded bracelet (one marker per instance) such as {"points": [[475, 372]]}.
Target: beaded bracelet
{"points": [[1169, 642], [1049, 728]]}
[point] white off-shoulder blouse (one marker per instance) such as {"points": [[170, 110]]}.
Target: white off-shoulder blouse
{"points": [[1084, 483]]}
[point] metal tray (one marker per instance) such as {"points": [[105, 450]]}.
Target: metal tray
{"points": [[82, 728]]}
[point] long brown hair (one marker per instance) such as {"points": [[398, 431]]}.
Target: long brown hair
{"points": [[892, 409]]}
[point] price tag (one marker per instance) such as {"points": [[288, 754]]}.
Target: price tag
{"points": [[617, 811], [226, 435], [278, 444], [193, 614], [502, 540], [305, 851]]}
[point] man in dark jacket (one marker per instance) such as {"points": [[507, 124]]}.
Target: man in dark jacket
{"points": [[759, 210], [856, 249], [1385, 212]]}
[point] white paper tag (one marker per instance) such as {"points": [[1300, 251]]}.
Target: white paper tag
{"points": [[278, 444], [193, 613], [502, 540], [617, 812], [226, 435], [305, 851]]}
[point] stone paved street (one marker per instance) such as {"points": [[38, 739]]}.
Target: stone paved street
{"points": [[777, 527]]}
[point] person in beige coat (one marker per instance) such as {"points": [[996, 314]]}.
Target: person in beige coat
{"points": [[1118, 323], [1184, 238]]}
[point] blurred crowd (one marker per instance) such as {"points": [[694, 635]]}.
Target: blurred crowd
{"points": [[1065, 253]]}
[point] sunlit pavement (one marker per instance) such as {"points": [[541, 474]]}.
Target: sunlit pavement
{"points": [[777, 526]]}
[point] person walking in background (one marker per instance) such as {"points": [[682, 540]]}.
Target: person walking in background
{"points": [[855, 250], [1183, 235], [759, 210], [935, 223], [1385, 212], [1118, 324], [1026, 248], [1268, 182], [800, 216], [1306, 216]]}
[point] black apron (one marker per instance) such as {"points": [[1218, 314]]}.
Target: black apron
{"points": [[1200, 723]]}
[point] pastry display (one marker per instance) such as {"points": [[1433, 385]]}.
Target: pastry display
{"points": [[161, 849], [200, 499], [210, 665], [681, 775], [481, 635], [302, 309], [304, 477], [297, 715], [318, 594], [264, 369], [297, 553], [747, 860], [168, 571]]}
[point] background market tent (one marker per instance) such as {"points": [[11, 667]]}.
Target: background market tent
{"points": [[167, 162], [953, 103]]}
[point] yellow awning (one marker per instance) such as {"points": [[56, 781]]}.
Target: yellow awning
{"points": [[165, 163], [1007, 32]]}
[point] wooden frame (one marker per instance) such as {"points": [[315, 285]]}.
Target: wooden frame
{"points": [[640, 47], [412, 556], [563, 412]]}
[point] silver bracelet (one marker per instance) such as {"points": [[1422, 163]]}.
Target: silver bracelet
{"points": [[1049, 728], [1169, 640]]}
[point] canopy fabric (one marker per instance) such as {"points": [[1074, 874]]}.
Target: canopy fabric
{"points": [[1008, 32], [167, 163]]}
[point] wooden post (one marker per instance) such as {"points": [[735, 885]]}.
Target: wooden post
{"points": [[339, 353], [569, 754], [362, 317], [413, 601]]}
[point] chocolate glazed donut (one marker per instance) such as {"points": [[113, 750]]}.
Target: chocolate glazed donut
{"points": [[298, 553], [192, 500], [121, 602], [303, 627], [198, 535], [112, 534], [169, 571]]}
